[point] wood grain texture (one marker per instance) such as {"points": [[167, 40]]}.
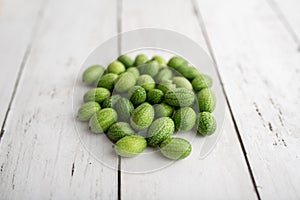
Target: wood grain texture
{"points": [[18, 22], [223, 174], [288, 13], [259, 65], [41, 156]]}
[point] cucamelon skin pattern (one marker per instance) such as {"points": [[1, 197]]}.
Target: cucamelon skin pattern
{"points": [[142, 116], [140, 59], [161, 61], [177, 62], [87, 110], [184, 119], [180, 97], [135, 72], [124, 82], [102, 120], [166, 85], [110, 102], [126, 61], [182, 82], [130, 146], [164, 74], [151, 68], [96, 94], [175, 148], [119, 130], [189, 72], [155, 96], [137, 95], [161, 129], [146, 82], [206, 124], [108, 81], [163, 110], [201, 82], [206, 100], [116, 67], [124, 109], [93, 74]]}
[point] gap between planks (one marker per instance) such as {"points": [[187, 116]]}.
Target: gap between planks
{"points": [[211, 52], [23, 63], [282, 18], [119, 31]]}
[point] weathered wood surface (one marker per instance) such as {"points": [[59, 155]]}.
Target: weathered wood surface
{"points": [[259, 64], [256, 47], [223, 174], [18, 22], [41, 156]]}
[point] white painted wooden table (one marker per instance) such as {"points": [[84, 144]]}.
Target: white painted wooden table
{"points": [[255, 45]]}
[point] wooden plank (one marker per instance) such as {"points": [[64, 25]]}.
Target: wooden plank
{"points": [[289, 15], [41, 156], [259, 65], [18, 19], [223, 174]]}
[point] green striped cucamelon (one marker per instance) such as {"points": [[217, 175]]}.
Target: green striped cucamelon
{"points": [[92, 74], [102, 120], [142, 116], [137, 95], [161, 129], [87, 110], [206, 100], [96, 94], [130, 146], [184, 119], [119, 130], [175, 148], [206, 124], [180, 97]]}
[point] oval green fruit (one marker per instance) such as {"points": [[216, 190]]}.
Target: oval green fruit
{"points": [[130, 146], [92, 74], [206, 124], [166, 85], [125, 82], [184, 119], [110, 102], [124, 109], [140, 59], [137, 95], [102, 120], [180, 97], [96, 94], [151, 68], [182, 82], [135, 72], [142, 116], [206, 100], [155, 96], [175, 148], [116, 67], [177, 62], [87, 110], [126, 61], [108, 81], [161, 129], [119, 130], [161, 61], [146, 82], [164, 74], [201, 82], [189, 72], [163, 110]]}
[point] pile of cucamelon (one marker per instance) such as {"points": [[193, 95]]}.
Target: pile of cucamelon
{"points": [[143, 102]]}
